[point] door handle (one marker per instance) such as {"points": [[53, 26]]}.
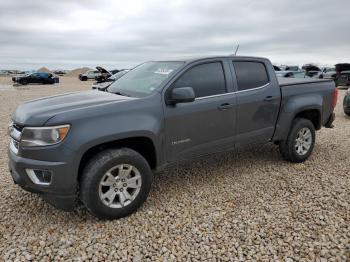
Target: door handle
{"points": [[225, 106], [269, 98]]}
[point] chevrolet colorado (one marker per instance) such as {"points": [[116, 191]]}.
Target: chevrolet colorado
{"points": [[102, 147]]}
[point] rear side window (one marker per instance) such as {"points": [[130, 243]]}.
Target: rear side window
{"points": [[250, 75], [205, 79]]}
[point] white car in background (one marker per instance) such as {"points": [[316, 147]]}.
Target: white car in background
{"points": [[89, 75], [328, 73]]}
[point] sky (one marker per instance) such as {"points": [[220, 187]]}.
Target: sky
{"points": [[66, 34]]}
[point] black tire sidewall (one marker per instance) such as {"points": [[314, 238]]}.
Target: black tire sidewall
{"points": [[300, 123], [96, 169]]}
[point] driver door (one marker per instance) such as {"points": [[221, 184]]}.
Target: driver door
{"points": [[207, 124]]}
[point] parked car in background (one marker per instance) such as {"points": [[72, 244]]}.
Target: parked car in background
{"points": [[110, 80], [343, 80], [89, 75], [102, 147], [328, 73], [312, 70], [292, 74], [314, 74], [36, 78], [346, 102], [300, 74], [292, 68], [342, 67], [105, 74], [59, 72], [277, 68]]}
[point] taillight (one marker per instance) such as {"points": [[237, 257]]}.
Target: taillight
{"points": [[335, 97]]}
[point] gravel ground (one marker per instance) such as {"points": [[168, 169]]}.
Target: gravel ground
{"points": [[248, 205]]}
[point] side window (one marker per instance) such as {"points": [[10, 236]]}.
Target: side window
{"points": [[205, 79], [250, 75]]}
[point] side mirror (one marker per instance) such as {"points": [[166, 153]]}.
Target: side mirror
{"points": [[181, 95]]}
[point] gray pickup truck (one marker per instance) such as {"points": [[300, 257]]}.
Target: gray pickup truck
{"points": [[101, 148]]}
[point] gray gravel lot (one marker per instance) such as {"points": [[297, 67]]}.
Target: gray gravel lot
{"points": [[231, 206]]}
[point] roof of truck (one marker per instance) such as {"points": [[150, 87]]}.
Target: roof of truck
{"points": [[196, 58]]}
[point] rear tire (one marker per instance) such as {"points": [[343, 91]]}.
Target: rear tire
{"points": [[115, 183], [300, 141]]}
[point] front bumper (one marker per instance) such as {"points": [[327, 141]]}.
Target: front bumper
{"points": [[61, 192]]}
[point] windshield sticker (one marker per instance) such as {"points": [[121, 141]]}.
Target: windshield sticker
{"points": [[163, 71]]}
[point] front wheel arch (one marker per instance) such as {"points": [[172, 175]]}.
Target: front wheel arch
{"points": [[143, 145]]}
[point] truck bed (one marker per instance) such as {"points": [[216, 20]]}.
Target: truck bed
{"points": [[284, 81]]}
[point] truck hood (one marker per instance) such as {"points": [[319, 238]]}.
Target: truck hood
{"points": [[310, 67], [342, 67], [103, 70], [37, 112]]}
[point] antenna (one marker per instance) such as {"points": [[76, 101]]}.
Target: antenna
{"points": [[237, 49]]}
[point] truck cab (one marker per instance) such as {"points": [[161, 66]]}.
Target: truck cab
{"points": [[102, 147]]}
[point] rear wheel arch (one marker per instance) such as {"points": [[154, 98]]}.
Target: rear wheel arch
{"points": [[312, 114]]}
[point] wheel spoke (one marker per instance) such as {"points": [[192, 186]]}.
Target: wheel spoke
{"points": [[307, 142], [300, 149], [122, 198], [133, 182], [127, 195], [307, 134], [124, 171], [110, 195], [109, 181]]}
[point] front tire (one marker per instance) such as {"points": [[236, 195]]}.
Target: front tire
{"points": [[300, 141], [115, 183]]}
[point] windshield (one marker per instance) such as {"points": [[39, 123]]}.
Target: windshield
{"points": [[144, 79], [118, 75]]}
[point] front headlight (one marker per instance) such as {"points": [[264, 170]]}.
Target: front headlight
{"points": [[43, 136]]}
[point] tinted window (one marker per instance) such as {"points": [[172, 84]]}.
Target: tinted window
{"points": [[206, 79], [250, 75]]}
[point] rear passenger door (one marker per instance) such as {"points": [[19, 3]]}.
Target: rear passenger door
{"points": [[207, 124], [258, 99]]}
